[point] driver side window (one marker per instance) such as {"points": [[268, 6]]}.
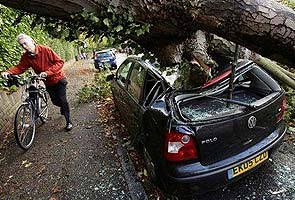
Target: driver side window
{"points": [[136, 83], [122, 72]]}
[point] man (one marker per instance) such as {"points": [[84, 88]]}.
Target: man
{"points": [[47, 64]]}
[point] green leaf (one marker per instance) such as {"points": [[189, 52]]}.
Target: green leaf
{"points": [[94, 19], [139, 32], [130, 18], [84, 14], [119, 28], [106, 21], [146, 27], [114, 18], [110, 9]]}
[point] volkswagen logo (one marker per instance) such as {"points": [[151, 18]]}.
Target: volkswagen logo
{"points": [[252, 122]]}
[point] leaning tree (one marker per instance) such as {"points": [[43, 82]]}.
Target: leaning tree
{"points": [[177, 30]]}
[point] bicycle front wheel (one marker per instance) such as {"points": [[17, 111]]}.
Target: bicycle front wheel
{"points": [[24, 126], [43, 107]]}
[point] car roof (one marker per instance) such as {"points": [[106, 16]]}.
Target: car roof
{"points": [[104, 51], [145, 62], [170, 78], [151, 67]]}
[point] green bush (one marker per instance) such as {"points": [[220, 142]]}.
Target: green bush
{"points": [[12, 23], [289, 3], [99, 89]]}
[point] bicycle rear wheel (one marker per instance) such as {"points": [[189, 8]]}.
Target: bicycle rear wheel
{"points": [[43, 107], [24, 126]]}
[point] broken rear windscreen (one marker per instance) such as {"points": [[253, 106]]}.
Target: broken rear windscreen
{"points": [[251, 87]]}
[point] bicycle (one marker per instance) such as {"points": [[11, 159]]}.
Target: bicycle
{"points": [[33, 107]]}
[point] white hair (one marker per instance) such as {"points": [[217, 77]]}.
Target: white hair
{"points": [[24, 36]]}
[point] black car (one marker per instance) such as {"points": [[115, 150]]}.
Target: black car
{"points": [[199, 140]]}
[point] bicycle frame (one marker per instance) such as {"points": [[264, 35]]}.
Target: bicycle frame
{"points": [[33, 92], [34, 106]]}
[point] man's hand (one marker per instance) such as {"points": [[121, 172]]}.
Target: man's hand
{"points": [[43, 74], [5, 75]]}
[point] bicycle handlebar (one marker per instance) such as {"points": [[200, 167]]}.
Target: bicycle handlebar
{"points": [[12, 76], [37, 77], [32, 77]]}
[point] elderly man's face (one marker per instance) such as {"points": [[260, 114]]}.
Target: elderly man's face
{"points": [[28, 45]]}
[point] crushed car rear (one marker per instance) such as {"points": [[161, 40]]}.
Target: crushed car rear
{"points": [[214, 140]]}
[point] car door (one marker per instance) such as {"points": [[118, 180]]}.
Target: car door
{"points": [[119, 89], [134, 99]]}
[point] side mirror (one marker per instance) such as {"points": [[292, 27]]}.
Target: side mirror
{"points": [[123, 79], [110, 77]]}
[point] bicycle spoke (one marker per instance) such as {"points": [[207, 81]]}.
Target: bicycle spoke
{"points": [[24, 126], [27, 138], [43, 107]]}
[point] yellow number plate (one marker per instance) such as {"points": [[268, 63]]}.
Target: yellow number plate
{"points": [[250, 164]]}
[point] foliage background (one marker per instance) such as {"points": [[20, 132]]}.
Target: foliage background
{"points": [[12, 23], [289, 3], [98, 89]]}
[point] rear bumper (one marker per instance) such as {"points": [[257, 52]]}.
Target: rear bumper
{"points": [[197, 178]]}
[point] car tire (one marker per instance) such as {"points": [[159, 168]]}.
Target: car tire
{"points": [[96, 65], [113, 66], [150, 166]]}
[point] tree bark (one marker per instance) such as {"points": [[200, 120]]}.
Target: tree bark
{"points": [[265, 27], [62, 9]]}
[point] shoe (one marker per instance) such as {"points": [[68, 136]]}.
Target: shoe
{"points": [[69, 127]]}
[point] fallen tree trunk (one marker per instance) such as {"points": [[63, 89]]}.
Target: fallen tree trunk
{"points": [[290, 74], [275, 70]]}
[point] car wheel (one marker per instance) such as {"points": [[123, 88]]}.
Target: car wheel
{"points": [[150, 166], [113, 66], [96, 65]]}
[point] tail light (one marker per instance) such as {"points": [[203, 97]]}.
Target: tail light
{"points": [[282, 109], [179, 147]]}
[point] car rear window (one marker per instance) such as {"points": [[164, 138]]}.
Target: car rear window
{"points": [[206, 108], [105, 55], [252, 88]]}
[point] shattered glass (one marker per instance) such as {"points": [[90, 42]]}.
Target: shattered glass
{"points": [[213, 109], [206, 108], [246, 97]]}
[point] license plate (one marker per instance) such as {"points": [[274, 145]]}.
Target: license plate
{"points": [[246, 166]]}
